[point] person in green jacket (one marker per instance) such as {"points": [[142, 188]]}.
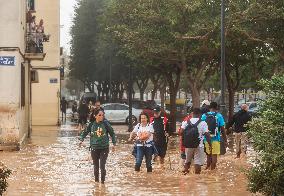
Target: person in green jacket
{"points": [[99, 131]]}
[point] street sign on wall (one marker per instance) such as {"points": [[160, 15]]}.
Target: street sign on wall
{"points": [[7, 60], [53, 80]]}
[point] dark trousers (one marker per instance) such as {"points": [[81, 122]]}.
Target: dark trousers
{"points": [[99, 157], [141, 152], [63, 114], [162, 149]]}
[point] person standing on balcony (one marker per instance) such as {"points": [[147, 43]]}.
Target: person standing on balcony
{"points": [[39, 36]]}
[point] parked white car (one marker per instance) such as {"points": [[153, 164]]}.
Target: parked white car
{"points": [[119, 113]]}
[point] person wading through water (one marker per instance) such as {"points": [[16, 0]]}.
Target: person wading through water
{"points": [[193, 131], [216, 123], [99, 131], [143, 132], [83, 112], [239, 120], [161, 133]]}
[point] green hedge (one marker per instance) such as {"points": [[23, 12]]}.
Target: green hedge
{"points": [[267, 134]]}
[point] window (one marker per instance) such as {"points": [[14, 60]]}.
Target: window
{"points": [[31, 5], [34, 76]]}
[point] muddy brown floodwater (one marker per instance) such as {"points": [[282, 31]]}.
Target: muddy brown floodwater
{"points": [[53, 164]]}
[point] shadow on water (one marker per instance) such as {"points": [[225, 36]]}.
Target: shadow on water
{"points": [[53, 164]]}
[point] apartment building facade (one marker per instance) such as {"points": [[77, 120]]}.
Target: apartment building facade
{"points": [[29, 68]]}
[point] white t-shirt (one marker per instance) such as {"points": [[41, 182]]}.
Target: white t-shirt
{"points": [[202, 128], [148, 128]]}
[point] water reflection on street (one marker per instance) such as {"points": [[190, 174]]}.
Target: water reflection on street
{"points": [[53, 164]]}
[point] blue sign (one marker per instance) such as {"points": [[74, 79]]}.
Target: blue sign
{"points": [[53, 80], [7, 60]]}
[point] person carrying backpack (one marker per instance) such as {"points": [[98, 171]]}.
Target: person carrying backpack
{"points": [[193, 131], [216, 123], [99, 131], [143, 132], [181, 146]]}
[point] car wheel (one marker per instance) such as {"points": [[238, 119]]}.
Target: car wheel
{"points": [[134, 120]]}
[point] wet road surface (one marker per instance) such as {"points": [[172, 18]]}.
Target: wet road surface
{"points": [[53, 164]]}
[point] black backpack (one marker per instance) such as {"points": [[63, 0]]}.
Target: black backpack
{"points": [[212, 123], [191, 135]]}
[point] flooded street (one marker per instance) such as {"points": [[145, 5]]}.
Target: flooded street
{"points": [[52, 163]]}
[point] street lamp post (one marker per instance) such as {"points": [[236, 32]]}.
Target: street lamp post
{"points": [[130, 85], [222, 101], [110, 90]]}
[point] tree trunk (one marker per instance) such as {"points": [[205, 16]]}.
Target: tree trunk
{"points": [[141, 92], [162, 89], [231, 103], [162, 95], [89, 86], [155, 80], [121, 91], [142, 85], [195, 93], [173, 88], [154, 91]]}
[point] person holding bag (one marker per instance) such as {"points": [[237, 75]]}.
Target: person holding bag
{"points": [[144, 142]]}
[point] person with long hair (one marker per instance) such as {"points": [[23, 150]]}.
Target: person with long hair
{"points": [[99, 131], [144, 142]]}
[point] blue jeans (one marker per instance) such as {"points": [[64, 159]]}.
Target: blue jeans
{"points": [[141, 152]]}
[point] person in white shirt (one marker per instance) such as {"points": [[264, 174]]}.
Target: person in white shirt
{"points": [[193, 132], [144, 142]]}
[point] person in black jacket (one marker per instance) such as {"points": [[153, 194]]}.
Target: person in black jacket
{"points": [[239, 120], [83, 112], [63, 107], [161, 133]]}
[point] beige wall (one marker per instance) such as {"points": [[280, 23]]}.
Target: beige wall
{"points": [[45, 102], [49, 11], [13, 118], [46, 105], [12, 23]]}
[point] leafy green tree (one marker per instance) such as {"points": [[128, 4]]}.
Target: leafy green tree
{"points": [[267, 133]]}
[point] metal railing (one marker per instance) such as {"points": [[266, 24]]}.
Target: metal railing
{"points": [[34, 42]]}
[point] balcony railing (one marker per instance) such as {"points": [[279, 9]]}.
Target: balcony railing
{"points": [[34, 45], [35, 42]]}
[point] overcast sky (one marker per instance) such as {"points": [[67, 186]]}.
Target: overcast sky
{"points": [[66, 16]]}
